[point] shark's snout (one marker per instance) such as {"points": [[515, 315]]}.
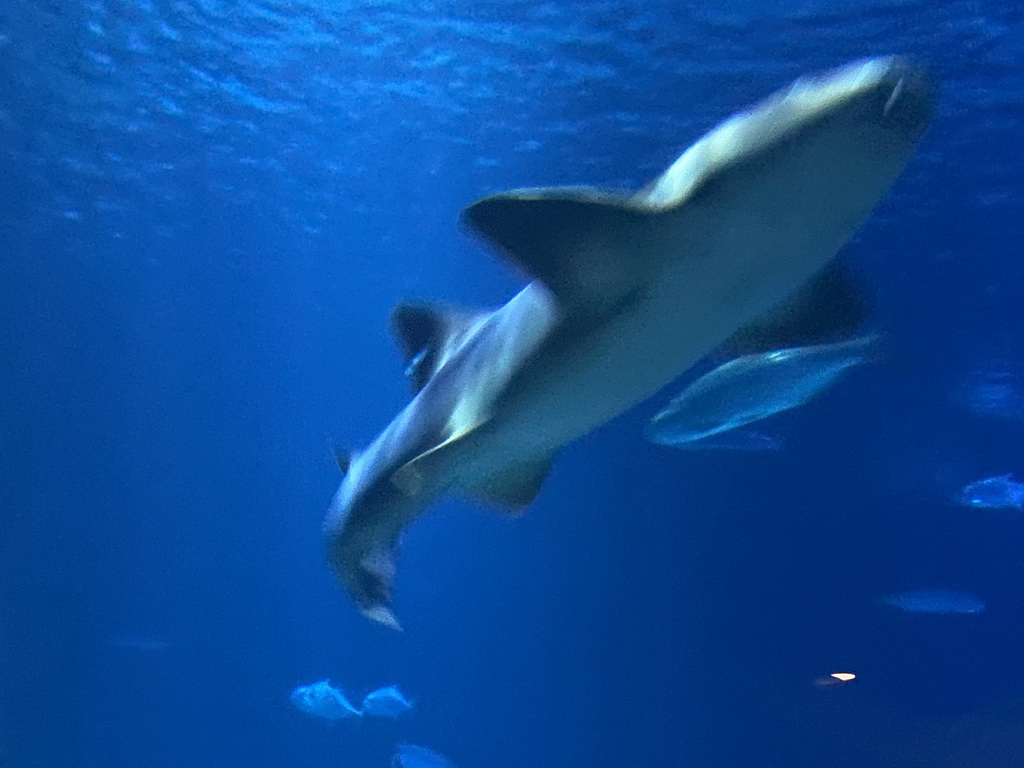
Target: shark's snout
{"points": [[906, 94]]}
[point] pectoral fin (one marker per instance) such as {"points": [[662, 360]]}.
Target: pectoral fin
{"points": [[515, 487], [413, 476], [586, 245], [831, 307], [429, 335]]}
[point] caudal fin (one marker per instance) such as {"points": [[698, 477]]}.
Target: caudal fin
{"points": [[366, 569]]}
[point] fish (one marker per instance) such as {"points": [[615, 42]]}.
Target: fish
{"points": [[834, 679], [935, 601], [413, 756], [323, 700], [998, 492], [754, 387], [876, 728], [626, 291], [386, 702], [738, 440], [994, 389], [147, 644]]}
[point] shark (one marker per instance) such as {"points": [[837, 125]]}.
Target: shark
{"points": [[626, 291]]}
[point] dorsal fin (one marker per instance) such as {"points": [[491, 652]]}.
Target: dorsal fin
{"points": [[428, 335], [583, 243]]}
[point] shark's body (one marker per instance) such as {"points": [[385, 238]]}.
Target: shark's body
{"points": [[628, 292]]}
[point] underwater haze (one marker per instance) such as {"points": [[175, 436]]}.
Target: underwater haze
{"points": [[207, 211]]}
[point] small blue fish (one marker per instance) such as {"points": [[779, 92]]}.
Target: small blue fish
{"points": [[412, 756], [323, 700], [743, 440], [138, 643], [754, 387], [935, 601], [994, 389], [386, 702], [999, 492]]}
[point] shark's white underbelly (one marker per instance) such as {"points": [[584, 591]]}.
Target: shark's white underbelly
{"points": [[679, 320]]}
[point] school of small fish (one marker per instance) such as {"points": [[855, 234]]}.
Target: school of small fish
{"points": [[713, 412], [325, 701]]}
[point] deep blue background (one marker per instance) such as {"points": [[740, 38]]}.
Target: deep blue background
{"points": [[206, 212]]}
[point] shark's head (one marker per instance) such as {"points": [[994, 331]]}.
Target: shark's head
{"points": [[891, 99], [844, 135], [897, 90]]}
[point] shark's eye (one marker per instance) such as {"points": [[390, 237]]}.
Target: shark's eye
{"points": [[778, 356]]}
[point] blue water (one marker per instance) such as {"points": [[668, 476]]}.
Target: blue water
{"points": [[207, 210]]}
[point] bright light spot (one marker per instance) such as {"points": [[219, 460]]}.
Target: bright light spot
{"points": [[844, 677]]}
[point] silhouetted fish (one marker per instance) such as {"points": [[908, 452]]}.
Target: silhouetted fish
{"points": [[935, 601], [323, 700], [999, 492], [386, 702], [412, 756], [745, 440], [871, 730], [994, 389], [139, 643], [754, 387]]}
